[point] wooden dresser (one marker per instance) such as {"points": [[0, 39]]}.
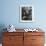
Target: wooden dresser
{"points": [[23, 38]]}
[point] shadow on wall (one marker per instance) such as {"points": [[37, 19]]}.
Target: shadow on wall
{"points": [[2, 26]]}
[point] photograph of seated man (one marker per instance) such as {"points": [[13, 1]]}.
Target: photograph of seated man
{"points": [[26, 13]]}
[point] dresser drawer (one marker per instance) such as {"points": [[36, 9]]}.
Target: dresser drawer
{"points": [[13, 44], [37, 44], [13, 33], [34, 33], [37, 39]]}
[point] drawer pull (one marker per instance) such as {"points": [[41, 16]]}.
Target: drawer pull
{"points": [[33, 39], [10, 38]]}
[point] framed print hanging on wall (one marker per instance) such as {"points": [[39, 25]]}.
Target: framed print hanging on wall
{"points": [[26, 13]]}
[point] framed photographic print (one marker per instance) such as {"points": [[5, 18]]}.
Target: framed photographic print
{"points": [[26, 13]]}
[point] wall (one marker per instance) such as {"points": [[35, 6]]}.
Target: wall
{"points": [[10, 13]]}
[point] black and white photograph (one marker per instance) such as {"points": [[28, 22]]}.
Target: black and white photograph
{"points": [[26, 13]]}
